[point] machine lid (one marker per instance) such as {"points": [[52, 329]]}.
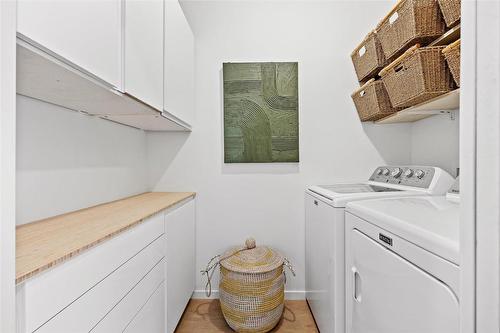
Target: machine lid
{"points": [[429, 222], [356, 188], [338, 195]]}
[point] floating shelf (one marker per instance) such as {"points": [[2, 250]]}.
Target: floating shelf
{"points": [[48, 77], [439, 105], [448, 37]]}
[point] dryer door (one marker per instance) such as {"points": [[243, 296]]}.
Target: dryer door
{"points": [[387, 294]]}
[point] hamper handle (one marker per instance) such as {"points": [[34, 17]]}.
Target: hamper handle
{"points": [[288, 265], [209, 272], [210, 269], [400, 59]]}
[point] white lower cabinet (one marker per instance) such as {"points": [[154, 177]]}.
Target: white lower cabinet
{"points": [[180, 259], [125, 284]]}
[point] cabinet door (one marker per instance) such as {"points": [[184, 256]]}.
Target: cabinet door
{"points": [[179, 63], [87, 33], [387, 294], [180, 261], [151, 317], [144, 51]]}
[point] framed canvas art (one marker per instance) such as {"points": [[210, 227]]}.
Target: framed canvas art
{"points": [[261, 112]]}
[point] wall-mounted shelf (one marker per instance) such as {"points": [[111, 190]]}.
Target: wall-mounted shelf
{"points": [[439, 105], [50, 78], [448, 37]]}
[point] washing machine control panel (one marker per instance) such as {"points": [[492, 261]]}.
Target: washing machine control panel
{"points": [[415, 176]]}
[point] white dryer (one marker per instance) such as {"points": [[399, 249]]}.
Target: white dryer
{"points": [[324, 206], [402, 265]]}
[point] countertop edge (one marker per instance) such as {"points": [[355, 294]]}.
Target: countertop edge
{"points": [[25, 276]]}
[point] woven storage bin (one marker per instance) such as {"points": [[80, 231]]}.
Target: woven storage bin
{"points": [[372, 101], [417, 76], [368, 58], [251, 287], [452, 55], [451, 11], [408, 23]]}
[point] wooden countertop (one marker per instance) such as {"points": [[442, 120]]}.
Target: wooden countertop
{"points": [[46, 243]]}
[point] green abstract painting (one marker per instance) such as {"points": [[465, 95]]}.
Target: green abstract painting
{"points": [[261, 112]]}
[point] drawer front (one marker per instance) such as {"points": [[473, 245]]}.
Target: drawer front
{"points": [[88, 310], [45, 295], [121, 315], [91, 307], [151, 317]]}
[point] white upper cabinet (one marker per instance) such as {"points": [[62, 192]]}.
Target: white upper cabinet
{"points": [[86, 33], [179, 64], [144, 51]]}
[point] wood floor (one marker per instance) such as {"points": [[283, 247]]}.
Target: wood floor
{"points": [[205, 316]]}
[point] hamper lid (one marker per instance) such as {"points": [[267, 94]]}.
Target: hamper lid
{"points": [[251, 258]]}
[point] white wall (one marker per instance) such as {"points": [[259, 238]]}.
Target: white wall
{"points": [[434, 141], [266, 200], [68, 161]]}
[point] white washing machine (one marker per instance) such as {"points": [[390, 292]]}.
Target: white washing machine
{"points": [[324, 205], [402, 265]]}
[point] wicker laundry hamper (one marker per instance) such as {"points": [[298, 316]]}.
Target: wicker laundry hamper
{"points": [[251, 286], [418, 75], [368, 58], [452, 55], [408, 23], [372, 102], [451, 11]]}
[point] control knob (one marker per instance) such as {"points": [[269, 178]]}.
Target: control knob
{"points": [[378, 172], [396, 172], [420, 174], [385, 172], [408, 173]]}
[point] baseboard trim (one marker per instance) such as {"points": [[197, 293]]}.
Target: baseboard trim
{"points": [[292, 295]]}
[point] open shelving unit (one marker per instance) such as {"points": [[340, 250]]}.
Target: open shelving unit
{"points": [[45, 76], [442, 104]]}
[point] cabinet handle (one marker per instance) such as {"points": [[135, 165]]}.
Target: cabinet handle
{"points": [[356, 283], [316, 202]]}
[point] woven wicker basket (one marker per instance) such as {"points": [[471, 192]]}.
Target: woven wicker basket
{"points": [[251, 287], [372, 101], [452, 55], [368, 58], [451, 11], [410, 22], [418, 75]]}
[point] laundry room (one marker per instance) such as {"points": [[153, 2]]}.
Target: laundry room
{"points": [[250, 166]]}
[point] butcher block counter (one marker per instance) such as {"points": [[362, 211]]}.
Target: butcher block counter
{"points": [[46, 243]]}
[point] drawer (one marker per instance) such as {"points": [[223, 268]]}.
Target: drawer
{"points": [[151, 318], [91, 307], [42, 297], [121, 315]]}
